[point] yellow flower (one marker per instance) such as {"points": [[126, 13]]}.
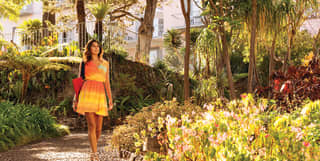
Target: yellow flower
{"points": [[306, 110]]}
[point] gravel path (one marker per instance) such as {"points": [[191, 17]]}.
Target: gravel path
{"points": [[74, 147]]}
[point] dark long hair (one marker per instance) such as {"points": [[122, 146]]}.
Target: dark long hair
{"points": [[87, 55]]}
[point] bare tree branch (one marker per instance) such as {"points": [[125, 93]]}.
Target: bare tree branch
{"points": [[112, 18], [214, 6], [121, 8], [131, 15], [195, 2]]}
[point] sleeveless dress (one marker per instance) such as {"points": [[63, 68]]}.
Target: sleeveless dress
{"points": [[93, 94]]}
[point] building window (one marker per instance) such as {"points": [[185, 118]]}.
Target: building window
{"points": [[161, 27], [158, 27], [13, 38], [155, 55]]}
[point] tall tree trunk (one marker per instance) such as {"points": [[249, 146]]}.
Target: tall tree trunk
{"points": [[99, 30], [271, 60], [186, 61], [145, 31], [227, 61], [47, 16], [252, 46], [287, 58], [219, 66], [81, 15], [194, 60], [199, 65], [207, 64], [186, 14], [25, 78]]}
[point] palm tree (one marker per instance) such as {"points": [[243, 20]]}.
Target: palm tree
{"points": [[222, 14], [31, 32], [206, 45], [295, 18], [99, 11], [275, 19], [173, 44]]}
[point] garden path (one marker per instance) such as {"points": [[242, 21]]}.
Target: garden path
{"points": [[73, 147]]}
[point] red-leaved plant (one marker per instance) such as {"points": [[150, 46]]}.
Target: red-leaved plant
{"points": [[291, 89]]}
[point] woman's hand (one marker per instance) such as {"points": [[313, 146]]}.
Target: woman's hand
{"points": [[110, 106]]}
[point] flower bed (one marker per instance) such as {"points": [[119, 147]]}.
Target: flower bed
{"points": [[243, 131]]}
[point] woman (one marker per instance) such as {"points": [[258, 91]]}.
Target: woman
{"points": [[95, 97]]}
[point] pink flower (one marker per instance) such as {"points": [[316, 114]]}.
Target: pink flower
{"points": [[236, 117], [171, 121], [216, 125], [177, 138], [210, 138], [266, 136], [227, 114], [209, 107], [185, 147], [295, 129], [223, 137], [299, 136], [306, 144], [208, 118]]}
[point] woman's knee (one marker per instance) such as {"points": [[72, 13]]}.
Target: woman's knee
{"points": [[98, 131], [91, 122]]}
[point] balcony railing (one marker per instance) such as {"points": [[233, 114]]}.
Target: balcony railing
{"points": [[66, 34]]}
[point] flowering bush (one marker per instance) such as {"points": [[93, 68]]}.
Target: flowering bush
{"points": [[145, 124], [243, 131]]}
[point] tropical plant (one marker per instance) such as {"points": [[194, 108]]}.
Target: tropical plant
{"points": [[99, 11], [224, 20], [32, 34], [173, 43], [206, 91], [300, 83], [29, 66], [21, 124], [296, 13]]}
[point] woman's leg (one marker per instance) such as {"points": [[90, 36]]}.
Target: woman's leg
{"points": [[90, 116], [99, 122]]}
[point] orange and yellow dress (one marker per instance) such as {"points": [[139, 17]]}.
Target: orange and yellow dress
{"points": [[93, 95]]}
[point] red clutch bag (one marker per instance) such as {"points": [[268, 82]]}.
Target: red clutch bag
{"points": [[77, 84]]}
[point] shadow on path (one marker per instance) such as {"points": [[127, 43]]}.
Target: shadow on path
{"points": [[71, 147]]}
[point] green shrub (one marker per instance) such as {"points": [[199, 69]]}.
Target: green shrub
{"points": [[42, 89], [206, 91], [123, 135], [21, 124]]}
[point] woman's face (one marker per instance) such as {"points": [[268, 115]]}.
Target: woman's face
{"points": [[94, 49]]}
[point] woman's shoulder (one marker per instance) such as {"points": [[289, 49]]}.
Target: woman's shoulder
{"points": [[105, 62]]}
